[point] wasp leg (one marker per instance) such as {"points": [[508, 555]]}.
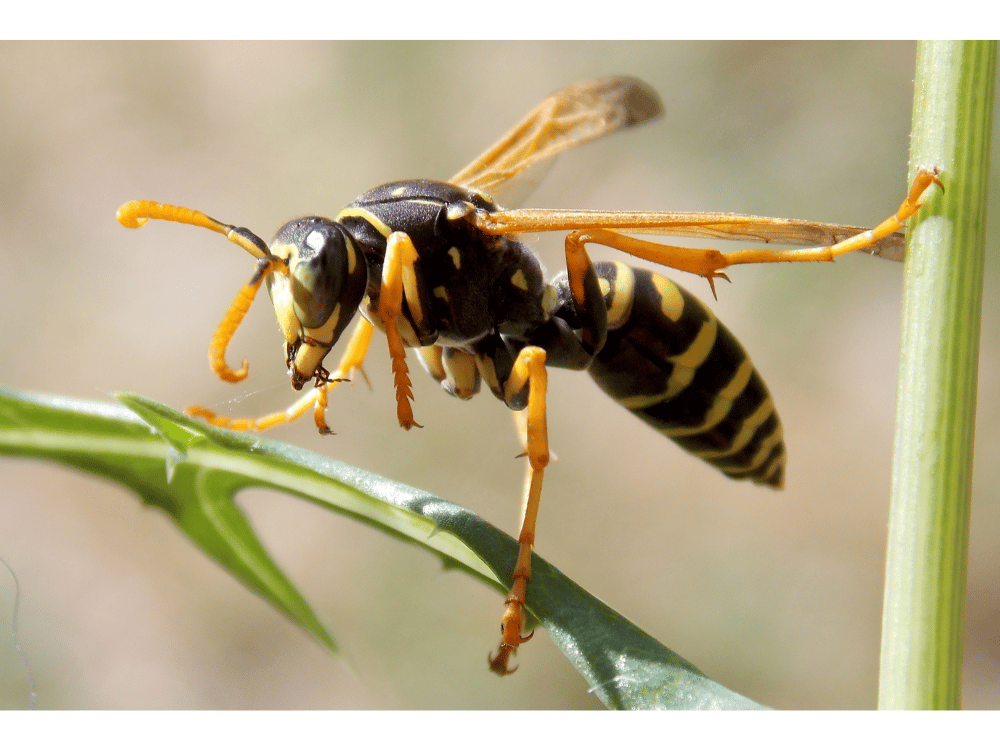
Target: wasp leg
{"points": [[316, 397], [352, 360], [528, 371], [910, 205], [399, 280], [455, 369], [709, 263], [588, 299]]}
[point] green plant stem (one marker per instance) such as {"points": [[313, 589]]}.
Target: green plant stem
{"points": [[921, 659]]}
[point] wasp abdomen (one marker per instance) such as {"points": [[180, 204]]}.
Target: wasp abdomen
{"points": [[669, 361]]}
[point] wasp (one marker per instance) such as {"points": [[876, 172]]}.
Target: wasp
{"points": [[438, 268]]}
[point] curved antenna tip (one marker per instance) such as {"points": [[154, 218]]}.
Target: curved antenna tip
{"points": [[130, 214]]}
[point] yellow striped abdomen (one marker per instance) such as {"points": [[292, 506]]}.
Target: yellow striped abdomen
{"points": [[669, 361]]}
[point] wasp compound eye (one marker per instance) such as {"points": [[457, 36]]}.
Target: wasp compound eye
{"points": [[326, 270]]}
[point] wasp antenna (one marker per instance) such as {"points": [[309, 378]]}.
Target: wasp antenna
{"points": [[131, 214], [134, 214]]}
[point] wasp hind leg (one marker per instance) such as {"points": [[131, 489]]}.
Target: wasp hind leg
{"points": [[709, 262], [528, 373], [910, 205]]}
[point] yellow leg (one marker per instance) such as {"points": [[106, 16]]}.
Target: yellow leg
{"points": [[910, 205], [397, 274], [353, 358], [709, 262], [351, 361], [585, 288], [293, 412], [529, 368]]}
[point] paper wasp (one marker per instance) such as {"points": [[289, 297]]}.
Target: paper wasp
{"points": [[436, 267]]}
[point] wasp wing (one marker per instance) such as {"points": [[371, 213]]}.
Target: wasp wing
{"points": [[592, 109], [567, 118]]}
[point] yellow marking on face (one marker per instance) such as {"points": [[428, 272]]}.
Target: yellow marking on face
{"points": [[311, 353], [440, 292], [456, 257], [325, 332], [286, 251], [280, 289], [519, 281]]}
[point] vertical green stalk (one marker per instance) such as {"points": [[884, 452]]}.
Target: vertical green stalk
{"points": [[921, 664]]}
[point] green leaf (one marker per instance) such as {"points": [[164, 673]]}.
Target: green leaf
{"points": [[193, 471]]}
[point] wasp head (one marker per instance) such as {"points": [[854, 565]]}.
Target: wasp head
{"points": [[318, 297]]}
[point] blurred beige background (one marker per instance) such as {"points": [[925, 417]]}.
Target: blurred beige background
{"points": [[775, 595]]}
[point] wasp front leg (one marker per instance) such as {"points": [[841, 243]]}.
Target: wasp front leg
{"points": [[316, 399], [399, 281]]}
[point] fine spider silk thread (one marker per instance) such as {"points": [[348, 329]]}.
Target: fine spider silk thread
{"points": [[15, 637]]}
